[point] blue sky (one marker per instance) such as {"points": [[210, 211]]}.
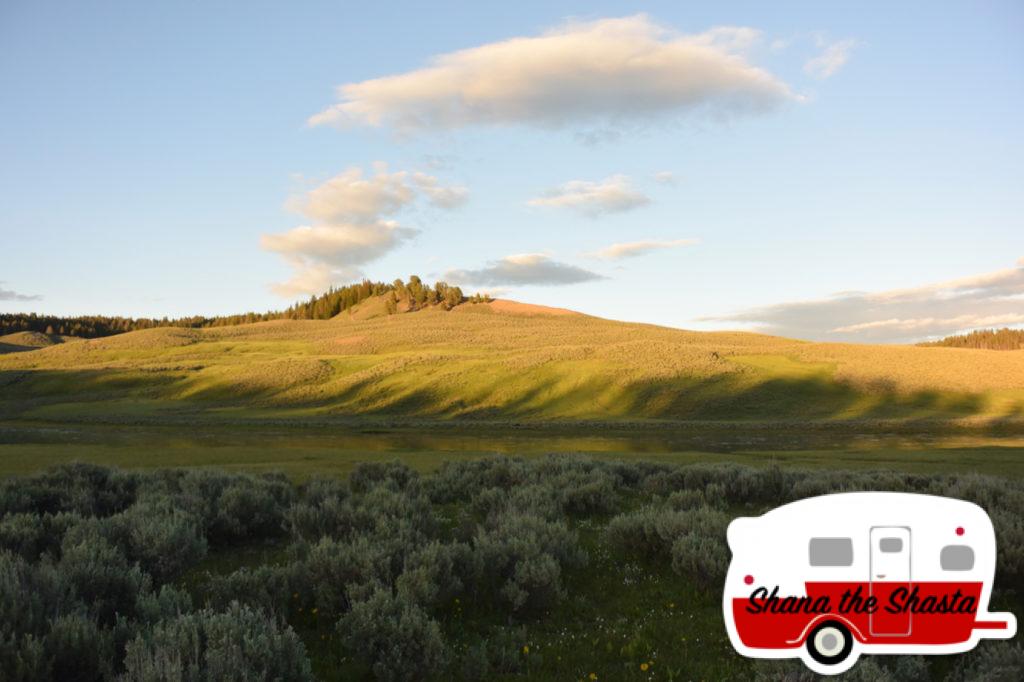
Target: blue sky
{"points": [[840, 171]]}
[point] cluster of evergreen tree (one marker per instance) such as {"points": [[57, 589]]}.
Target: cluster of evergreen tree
{"points": [[323, 307], [990, 339]]}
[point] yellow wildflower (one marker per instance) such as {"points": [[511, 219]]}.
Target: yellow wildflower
{"points": [[593, 676], [526, 648], [644, 667]]}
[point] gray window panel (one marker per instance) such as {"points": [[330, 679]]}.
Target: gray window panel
{"points": [[891, 545], [831, 552], [956, 558]]}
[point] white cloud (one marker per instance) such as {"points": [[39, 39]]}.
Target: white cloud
{"points": [[832, 58], [443, 197], [349, 225], [523, 269], [665, 178], [611, 195], [10, 295], [312, 278], [899, 315], [338, 244], [601, 72], [633, 249]]}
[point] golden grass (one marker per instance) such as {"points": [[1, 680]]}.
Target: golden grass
{"points": [[482, 361]]}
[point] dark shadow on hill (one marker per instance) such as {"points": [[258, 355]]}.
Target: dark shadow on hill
{"points": [[726, 398]]}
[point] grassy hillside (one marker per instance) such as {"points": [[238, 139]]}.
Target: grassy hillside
{"points": [[499, 361], [19, 342]]}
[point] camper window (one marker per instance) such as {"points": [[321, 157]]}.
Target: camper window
{"points": [[831, 552], [956, 558], [891, 545]]}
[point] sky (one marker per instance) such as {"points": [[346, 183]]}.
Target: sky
{"points": [[841, 171]]}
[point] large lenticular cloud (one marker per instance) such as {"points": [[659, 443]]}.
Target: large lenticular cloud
{"points": [[606, 71]]}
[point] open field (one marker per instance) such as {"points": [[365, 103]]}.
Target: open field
{"points": [[397, 546], [504, 363], [302, 452]]}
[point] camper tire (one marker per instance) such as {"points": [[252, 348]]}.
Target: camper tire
{"points": [[830, 643]]}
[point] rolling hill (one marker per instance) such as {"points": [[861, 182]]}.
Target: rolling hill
{"points": [[19, 342], [500, 361]]}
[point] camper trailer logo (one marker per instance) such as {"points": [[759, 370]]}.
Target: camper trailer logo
{"points": [[829, 578]]}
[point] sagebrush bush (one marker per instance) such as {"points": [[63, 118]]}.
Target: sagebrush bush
{"points": [[701, 557], [269, 588], [523, 557], [89, 557], [693, 537], [80, 651], [393, 474], [334, 568], [324, 510], [96, 574], [164, 540], [239, 644], [395, 636], [86, 489], [992, 662], [436, 573], [31, 535]]}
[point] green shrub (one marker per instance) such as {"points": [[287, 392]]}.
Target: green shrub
{"points": [[335, 568], [435, 574], [523, 557], [705, 559], [99, 576], [394, 474], [992, 662], [395, 636], [240, 644], [79, 650], [32, 535], [163, 539], [23, 659], [651, 531], [325, 510], [86, 489], [29, 596], [269, 588], [500, 653]]}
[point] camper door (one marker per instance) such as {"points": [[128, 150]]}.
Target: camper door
{"points": [[890, 569]]}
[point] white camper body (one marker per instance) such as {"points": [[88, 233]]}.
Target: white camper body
{"points": [[925, 563]]}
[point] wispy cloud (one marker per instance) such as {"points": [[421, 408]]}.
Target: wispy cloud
{"points": [[600, 72], [899, 315], [611, 195], [521, 270], [634, 249], [350, 225], [665, 178], [10, 295], [832, 58]]}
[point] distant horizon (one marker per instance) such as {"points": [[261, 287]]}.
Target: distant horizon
{"points": [[470, 294]]}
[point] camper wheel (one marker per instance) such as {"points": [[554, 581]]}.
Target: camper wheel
{"points": [[830, 643]]}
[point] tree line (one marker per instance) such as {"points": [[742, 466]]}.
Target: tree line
{"points": [[989, 339], [325, 306]]}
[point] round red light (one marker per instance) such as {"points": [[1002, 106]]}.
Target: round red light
{"points": [[749, 579], [960, 530]]}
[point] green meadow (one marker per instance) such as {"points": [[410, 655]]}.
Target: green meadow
{"points": [[374, 496], [321, 396]]}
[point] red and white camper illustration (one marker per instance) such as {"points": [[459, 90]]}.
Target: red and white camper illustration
{"points": [[829, 578]]}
